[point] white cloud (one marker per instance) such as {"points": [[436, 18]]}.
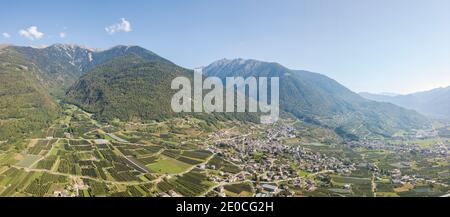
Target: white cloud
{"points": [[6, 35], [31, 33], [124, 26], [62, 34]]}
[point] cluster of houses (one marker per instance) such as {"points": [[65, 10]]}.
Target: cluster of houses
{"points": [[397, 178], [439, 148], [71, 190], [315, 162], [170, 193], [268, 160]]}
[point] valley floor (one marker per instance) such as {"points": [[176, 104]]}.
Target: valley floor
{"points": [[192, 157]]}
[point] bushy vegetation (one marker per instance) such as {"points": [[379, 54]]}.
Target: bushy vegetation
{"points": [[220, 164], [128, 88], [26, 107], [190, 184]]}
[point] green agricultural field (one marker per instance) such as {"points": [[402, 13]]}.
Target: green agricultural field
{"points": [[8, 158], [359, 186], [47, 163], [350, 180], [387, 194], [426, 143], [239, 190], [28, 160], [14, 181], [193, 183], [198, 154], [167, 165], [220, 164]]}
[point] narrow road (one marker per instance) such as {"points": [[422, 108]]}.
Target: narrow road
{"points": [[374, 185]]}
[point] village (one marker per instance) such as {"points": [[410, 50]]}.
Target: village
{"points": [[269, 162]]}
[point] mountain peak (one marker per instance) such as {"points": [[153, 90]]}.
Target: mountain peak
{"points": [[121, 50], [70, 47], [241, 62], [128, 47], [121, 47], [244, 67]]}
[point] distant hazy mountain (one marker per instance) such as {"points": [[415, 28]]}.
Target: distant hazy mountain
{"points": [[376, 97], [321, 100], [433, 103], [389, 94]]}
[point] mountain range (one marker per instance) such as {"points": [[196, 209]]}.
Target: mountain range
{"points": [[434, 103], [32, 79], [132, 83], [63, 64], [318, 99]]}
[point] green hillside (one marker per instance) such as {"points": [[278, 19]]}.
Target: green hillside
{"points": [[318, 99], [132, 88], [61, 65], [25, 104], [128, 88]]}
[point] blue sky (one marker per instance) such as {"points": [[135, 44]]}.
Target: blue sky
{"points": [[396, 46]]}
